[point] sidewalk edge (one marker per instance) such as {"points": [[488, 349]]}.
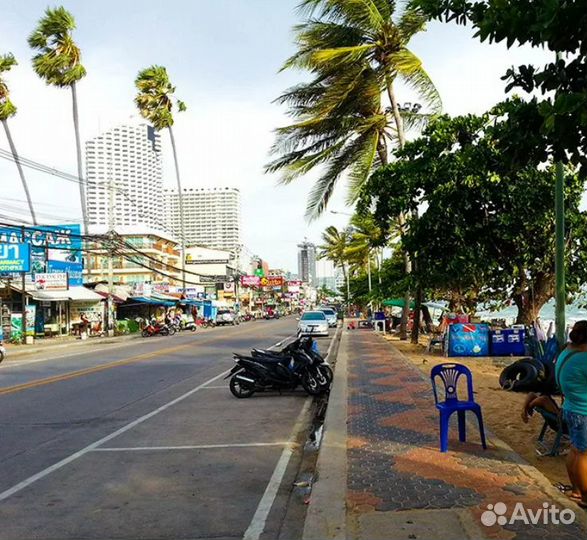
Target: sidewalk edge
{"points": [[326, 517]]}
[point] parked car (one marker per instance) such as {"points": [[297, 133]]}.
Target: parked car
{"points": [[313, 323], [226, 316], [330, 315]]}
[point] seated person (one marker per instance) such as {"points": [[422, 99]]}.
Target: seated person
{"points": [[534, 400]]}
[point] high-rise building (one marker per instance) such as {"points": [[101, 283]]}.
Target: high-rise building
{"points": [[212, 216], [127, 157], [307, 262]]}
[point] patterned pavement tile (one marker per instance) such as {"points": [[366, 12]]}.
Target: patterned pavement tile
{"points": [[393, 458]]}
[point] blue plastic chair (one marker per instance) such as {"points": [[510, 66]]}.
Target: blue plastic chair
{"points": [[449, 374]]}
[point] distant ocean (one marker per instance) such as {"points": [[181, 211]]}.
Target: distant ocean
{"points": [[573, 313]]}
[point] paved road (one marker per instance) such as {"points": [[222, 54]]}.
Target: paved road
{"points": [[144, 440]]}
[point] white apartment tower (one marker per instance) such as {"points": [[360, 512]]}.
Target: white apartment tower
{"points": [[212, 216], [127, 157]]}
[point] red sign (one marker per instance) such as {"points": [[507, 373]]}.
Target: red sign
{"points": [[272, 281], [250, 281]]}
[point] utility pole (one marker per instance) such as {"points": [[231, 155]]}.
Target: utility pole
{"points": [[111, 234], [559, 259]]}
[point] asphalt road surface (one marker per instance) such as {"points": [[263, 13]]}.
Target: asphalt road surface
{"points": [[144, 440]]}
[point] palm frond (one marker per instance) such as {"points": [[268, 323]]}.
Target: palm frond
{"points": [[410, 69]]}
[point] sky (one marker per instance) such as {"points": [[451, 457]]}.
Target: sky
{"points": [[224, 57]]}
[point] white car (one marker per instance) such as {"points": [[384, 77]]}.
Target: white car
{"points": [[330, 316], [313, 323]]}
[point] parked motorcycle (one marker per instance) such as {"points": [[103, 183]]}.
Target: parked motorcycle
{"points": [[156, 328], [283, 367], [2, 351]]}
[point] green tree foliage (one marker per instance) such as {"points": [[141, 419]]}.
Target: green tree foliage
{"points": [[58, 63], [156, 102], [558, 25], [8, 110], [480, 228], [355, 51], [334, 247]]}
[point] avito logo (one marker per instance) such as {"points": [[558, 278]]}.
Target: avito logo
{"points": [[549, 514]]}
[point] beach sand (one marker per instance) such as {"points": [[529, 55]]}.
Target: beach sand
{"points": [[501, 409]]}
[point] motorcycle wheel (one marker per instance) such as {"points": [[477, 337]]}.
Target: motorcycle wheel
{"points": [[193, 328], [1, 356], [145, 333], [171, 330], [311, 385], [326, 372], [240, 390], [164, 331]]}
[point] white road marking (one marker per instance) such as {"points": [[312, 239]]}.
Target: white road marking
{"points": [[225, 387], [45, 472], [190, 447], [259, 520]]}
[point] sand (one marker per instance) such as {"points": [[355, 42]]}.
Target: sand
{"points": [[501, 409]]}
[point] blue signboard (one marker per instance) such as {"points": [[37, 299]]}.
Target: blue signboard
{"points": [[15, 257], [54, 248]]}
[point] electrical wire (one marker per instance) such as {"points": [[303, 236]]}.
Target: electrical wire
{"points": [[40, 167]]}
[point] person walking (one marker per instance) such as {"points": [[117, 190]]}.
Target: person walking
{"points": [[571, 376]]}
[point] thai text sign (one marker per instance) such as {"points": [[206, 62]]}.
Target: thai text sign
{"points": [[54, 281], [250, 281], [15, 257]]}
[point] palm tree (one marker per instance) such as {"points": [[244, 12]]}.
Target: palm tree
{"points": [[156, 103], [365, 240], [7, 110], [58, 63], [334, 247], [355, 50]]}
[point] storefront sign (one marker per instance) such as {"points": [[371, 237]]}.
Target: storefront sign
{"points": [[272, 281], [53, 281], [15, 257], [94, 311], [161, 287], [53, 248], [250, 281], [30, 316], [228, 287]]}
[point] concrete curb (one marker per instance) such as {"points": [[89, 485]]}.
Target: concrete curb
{"points": [[326, 517]]}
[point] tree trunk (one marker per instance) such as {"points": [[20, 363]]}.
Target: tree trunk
{"points": [[417, 311], [20, 171], [527, 311], [427, 319], [181, 214], [80, 172], [399, 125]]}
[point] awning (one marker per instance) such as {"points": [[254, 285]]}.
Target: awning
{"points": [[151, 300], [115, 299], [73, 293], [50, 296]]}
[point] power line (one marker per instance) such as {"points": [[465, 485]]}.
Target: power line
{"points": [[40, 167]]}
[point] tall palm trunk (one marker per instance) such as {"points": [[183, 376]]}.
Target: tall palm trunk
{"points": [[20, 171], [181, 215], [80, 172], [403, 331]]}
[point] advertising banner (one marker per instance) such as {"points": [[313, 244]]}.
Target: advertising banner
{"points": [[15, 257], [272, 281], [54, 248], [16, 326], [228, 287], [55, 281], [250, 281], [30, 316]]}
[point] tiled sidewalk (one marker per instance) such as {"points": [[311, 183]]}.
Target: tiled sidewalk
{"points": [[399, 485]]}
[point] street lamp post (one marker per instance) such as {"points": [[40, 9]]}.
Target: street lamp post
{"points": [[559, 258]]}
